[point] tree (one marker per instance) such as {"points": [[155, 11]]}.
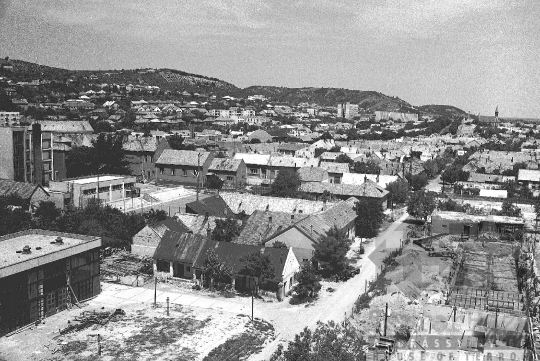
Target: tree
{"points": [[286, 184], [369, 217], [214, 269], [331, 255], [399, 190], [14, 216], [368, 167], [254, 141], [154, 216], [344, 158], [46, 215], [335, 148], [309, 282], [509, 210], [454, 173], [421, 204], [328, 342], [226, 230], [431, 168], [418, 181], [259, 266], [214, 182], [176, 141]]}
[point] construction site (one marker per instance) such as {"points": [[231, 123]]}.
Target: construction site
{"points": [[448, 297]]}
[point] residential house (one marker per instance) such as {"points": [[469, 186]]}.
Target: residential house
{"points": [[148, 238], [290, 149], [313, 174], [530, 178], [358, 179], [257, 167], [183, 166], [30, 193], [335, 171], [278, 163], [233, 172], [210, 206], [198, 224], [472, 225], [367, 190], [249, 203], [485, 181], [141, 153], [176, 254]]}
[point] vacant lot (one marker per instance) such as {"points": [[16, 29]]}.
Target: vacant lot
{"points": [[143, 333]]}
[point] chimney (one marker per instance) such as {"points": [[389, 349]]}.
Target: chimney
{"points": [[59, 240], [270, 219], [208, 232], [37, 153], [292, 216], [26, 250]]}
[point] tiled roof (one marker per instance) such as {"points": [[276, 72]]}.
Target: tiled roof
{"points": [[260, 134], [484, 178], [25, 190], [335, 167], [232, 253], [169, 224], [182, 157], [292, 146], [196, 223], [214, 206], [249, 203], [65, 126], [261, 225], [178, 247], [339, 215], [225, 164], [140, 144], [312, 174], [367, 189]]}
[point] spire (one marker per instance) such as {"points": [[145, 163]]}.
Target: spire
{"points": [[497, 111]]}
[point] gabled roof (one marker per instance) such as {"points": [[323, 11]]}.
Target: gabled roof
{"points": [[64, 126], [368, 189], [292, 146], [259, 159], [312, 174], [25, 190], [339, 215], [249, 203], [293, 162], [178, 247], [182, 157], [358, 179], [232, 253], [168, 224], [225, 164], [196, 223], [335, 167], [140, 144], [262, 225], [213, 206]]}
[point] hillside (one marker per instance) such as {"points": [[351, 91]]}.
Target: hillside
{"points": [[370, 100], [167, 79], [170, 79], [445, 110]]}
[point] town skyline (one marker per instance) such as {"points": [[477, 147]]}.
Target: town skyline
{"points": [[474, 55]]}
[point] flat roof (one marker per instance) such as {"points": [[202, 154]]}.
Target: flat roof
{"points": [[43, 249], [103, 178]]}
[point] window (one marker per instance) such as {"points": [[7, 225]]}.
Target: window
{"points": [[184, 172], [117, 187], [103, 189], [161, 170], [188, 269], [230, 178], [172, 171], [253, 170], [162, 266], [46, 144]]}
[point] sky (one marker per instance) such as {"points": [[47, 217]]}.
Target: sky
{"points": [[473, 54]]}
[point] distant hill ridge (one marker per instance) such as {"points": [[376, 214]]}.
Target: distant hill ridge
{"points": [[171, 79]]}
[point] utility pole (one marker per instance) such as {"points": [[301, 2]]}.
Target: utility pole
{"points": [[198, 173], [385, 318]]}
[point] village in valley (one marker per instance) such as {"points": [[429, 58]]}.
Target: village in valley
{"points": [[151, 214]]}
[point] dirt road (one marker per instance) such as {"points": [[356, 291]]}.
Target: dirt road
{"points": [[289, 320]]}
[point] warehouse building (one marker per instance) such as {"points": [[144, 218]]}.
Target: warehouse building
{"points": [[43, 272]]}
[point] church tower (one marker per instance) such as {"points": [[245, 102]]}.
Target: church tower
{"points": [[496, 122]]}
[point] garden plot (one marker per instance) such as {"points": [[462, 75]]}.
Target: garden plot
{"points": [[143, 333]]}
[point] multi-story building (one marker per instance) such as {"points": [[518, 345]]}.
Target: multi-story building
{"points": [[103, 187], [26, 154], [183, 166], [8, 118], [347, 110], [43, 272]]}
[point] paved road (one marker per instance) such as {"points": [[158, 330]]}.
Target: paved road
{"points": [[435, 185]]}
